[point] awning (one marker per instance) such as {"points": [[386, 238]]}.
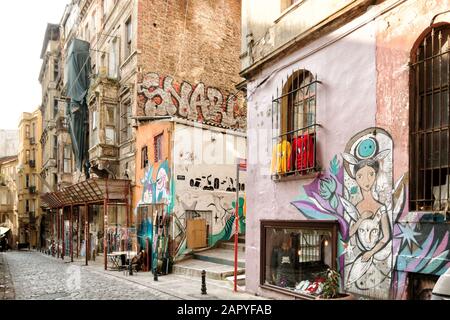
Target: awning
{"points": [[3, 231], [91, 191]]}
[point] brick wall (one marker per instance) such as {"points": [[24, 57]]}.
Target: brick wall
{"points": [[191, 40]]}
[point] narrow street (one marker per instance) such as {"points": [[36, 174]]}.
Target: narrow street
{"points": [[40, 277]]}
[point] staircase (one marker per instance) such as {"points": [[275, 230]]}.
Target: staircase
{"points": [[218, 262]]}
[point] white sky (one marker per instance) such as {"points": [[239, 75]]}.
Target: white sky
{"points": [[22, 28]]}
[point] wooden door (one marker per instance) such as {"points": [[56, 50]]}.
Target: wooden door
{"points": [[196, 233]]}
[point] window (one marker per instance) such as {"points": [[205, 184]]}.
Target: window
{"points": [[429, 122], [33, 130], [128, 37], [27, 156], [67, 158], [144, 157], [295, 255], [110, 129], [55, 108], [157, 143], [27, 131], [113, 61], [93, 24], [105, 8], [87, 33], [27, 205], [125, 121], [27, 181], [55, 69], [294, 126], [55, 147]]}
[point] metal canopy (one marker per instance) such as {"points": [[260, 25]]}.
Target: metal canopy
{"points": [[88, 192]]}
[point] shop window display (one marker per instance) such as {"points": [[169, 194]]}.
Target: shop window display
{"points": [[297, 255]]}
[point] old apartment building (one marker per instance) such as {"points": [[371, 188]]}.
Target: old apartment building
{"points": [[29, 183], [152, 100], [350, 170], [9, 219]]}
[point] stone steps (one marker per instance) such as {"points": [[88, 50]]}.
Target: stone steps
{"points": [[230, 246], [217, 262], [194, 268], [221, 256]]}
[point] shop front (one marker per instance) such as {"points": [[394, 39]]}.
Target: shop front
{"points": [[296, 255]]}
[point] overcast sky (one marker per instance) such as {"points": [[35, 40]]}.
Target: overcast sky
{"points": [[22, 28]]}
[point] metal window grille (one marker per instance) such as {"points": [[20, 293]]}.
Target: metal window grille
{"points": [[158, 147], [429, 123], [125, 127], [144, 157], [294, 143]]}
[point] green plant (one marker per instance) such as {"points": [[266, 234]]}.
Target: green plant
{"points": [[331, 285]]}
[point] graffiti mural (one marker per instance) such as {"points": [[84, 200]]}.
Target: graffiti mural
{"points": [[421, 243], [211, 183], [358, 192], [161, 96]]}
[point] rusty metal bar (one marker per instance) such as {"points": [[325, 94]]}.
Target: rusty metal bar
{"points": [[71, 233], [63, 228], [86, 235]]}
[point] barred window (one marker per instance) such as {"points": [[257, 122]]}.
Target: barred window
{"points": [[294, 126], [429, 122], [158, 147]]}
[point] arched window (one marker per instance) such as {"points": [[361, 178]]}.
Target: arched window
{"points": [[429, 121], [294, 124]]}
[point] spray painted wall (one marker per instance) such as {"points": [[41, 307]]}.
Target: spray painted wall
{"points": [[205, 178], [342, 92]]}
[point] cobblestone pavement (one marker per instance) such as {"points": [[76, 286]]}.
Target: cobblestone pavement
{"points": [[6, 286], [36, 276]]}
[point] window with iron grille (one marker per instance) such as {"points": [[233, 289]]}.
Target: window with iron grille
{"points": [[294, 126], [429, 122], [158, 147], [144, 157], [125, 121]]}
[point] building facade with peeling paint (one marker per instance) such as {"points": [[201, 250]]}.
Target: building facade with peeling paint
{"points": [[348, 132]]}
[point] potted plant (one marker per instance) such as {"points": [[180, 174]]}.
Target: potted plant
{"points": [[331, 288]]}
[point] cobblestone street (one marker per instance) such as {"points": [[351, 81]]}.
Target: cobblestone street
{"points": [[36, 276]]}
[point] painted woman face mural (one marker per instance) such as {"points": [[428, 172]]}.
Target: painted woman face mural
{"points": [[368, 175]]}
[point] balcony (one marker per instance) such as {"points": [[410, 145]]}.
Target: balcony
{"points": [[32, 140], [32, 163]]}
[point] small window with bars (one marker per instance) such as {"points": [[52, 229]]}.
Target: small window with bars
{"points": [[294, 126], [158, 140], [429, 122], [125, 122], [144, 157]]}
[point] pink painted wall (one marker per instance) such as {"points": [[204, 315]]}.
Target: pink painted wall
{"points": [[346, 104], [396, 36]]}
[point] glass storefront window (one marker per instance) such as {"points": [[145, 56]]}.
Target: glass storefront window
{"points": [[297, 255]]}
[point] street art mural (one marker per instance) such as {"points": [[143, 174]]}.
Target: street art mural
{"points": [[358, 192], [161, 96], [159, 188], [421, 243]]}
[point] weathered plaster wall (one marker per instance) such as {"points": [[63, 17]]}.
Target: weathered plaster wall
{"points": [[422, 245], [145, 137], [205, 177], [345, 105]]}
